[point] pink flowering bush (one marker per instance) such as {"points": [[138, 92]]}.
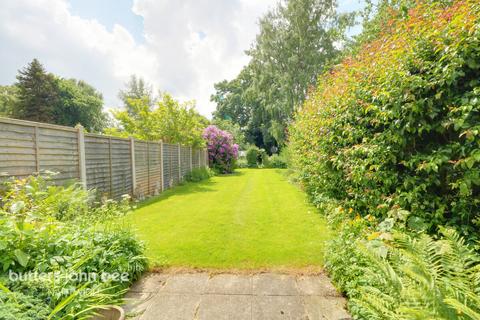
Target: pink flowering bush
{"points": [[222, 152]]}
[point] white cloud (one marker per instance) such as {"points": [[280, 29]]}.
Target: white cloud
{"points": [[189, 44]]}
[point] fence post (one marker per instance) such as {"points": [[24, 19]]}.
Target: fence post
{"points": [[179, 165], [199, 159], [161, 163], [191, 156], [132, 161], [82, 168], [110, 164], [37, 150], [205, 151], [148, 168]]}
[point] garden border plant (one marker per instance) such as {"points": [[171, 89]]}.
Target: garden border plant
{"points": [[58, 263], [387, 145]]}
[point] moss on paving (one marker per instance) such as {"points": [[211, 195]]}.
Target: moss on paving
{"points": [[251, 219]]}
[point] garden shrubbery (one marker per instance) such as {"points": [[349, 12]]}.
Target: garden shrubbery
{"points": [[199, 174], [388, 145], [397, 125], [389, 273], [222, 152], [46, 247]]}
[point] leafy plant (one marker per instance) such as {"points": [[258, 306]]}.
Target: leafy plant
{"points": [[396, 125], [49, 256], [222, 152], [252, 156], [390, 274], [199, 174], [276, 161]]}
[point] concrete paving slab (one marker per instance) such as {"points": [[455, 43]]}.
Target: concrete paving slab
{"points": [[172, 307], [136, 303], [278, 308], [268, 296], [151, 282], [189, 283], [274, 284], [325, 308], [229, 284], [225, 307], [316, 285]]}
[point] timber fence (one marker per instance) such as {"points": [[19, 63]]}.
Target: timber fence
{"points": [[111, 165]]}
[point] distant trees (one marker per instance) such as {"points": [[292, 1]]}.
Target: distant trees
{"points": [[297, 41], [8, 99], [37, 94], [157, 118], [44, 97]]}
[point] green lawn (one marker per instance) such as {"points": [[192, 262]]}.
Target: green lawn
{"points": [[251, 219]]}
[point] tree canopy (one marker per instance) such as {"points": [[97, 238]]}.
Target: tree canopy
{"points": [[297, 40], [44, 97], [167, 119]]}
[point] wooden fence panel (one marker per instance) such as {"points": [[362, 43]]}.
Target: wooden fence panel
{"points": [[18, 150], [141, 168], [154, 158], [170, 165], [121, 168], [185, 156], [195, 158], [107, 164], [97, 163], [58, 152]]}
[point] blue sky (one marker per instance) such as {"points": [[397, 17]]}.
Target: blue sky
{"points": [[109, 13], [181, 46]]}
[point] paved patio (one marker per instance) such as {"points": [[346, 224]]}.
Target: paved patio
{"points": [[265, 296]]}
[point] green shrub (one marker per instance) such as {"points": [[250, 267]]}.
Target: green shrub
{"points": [[263, 160], [389, 274], [199, 174], [39, 196], [397, 125], [242, 163], [253, 154], [276, 161], [33, 242]]}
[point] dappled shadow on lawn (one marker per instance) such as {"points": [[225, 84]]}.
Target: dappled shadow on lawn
{"points": [[184, 189], [188, 188]]}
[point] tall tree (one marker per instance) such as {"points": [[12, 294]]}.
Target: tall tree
{"points": [[41, 96], [80, 103], [168, 120], [136, 88], [297, 41], [37, 94]]}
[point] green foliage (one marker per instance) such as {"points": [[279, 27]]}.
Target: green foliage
{"points": [[169, 120], [37, 94], [18, 306], [8, 99], [41, 96], [199, 174], [136, 88], [277, 161], [253, 157], [241, 162], [234, 129], [295, 43], [396, 126], [79, 103], [38, 196], [389, 274], [50, 255]]}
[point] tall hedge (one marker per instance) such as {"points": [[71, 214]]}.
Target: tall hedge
{"points": [[397, 126]]}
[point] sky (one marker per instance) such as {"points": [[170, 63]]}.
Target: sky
{"points": [[179, 46]]}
